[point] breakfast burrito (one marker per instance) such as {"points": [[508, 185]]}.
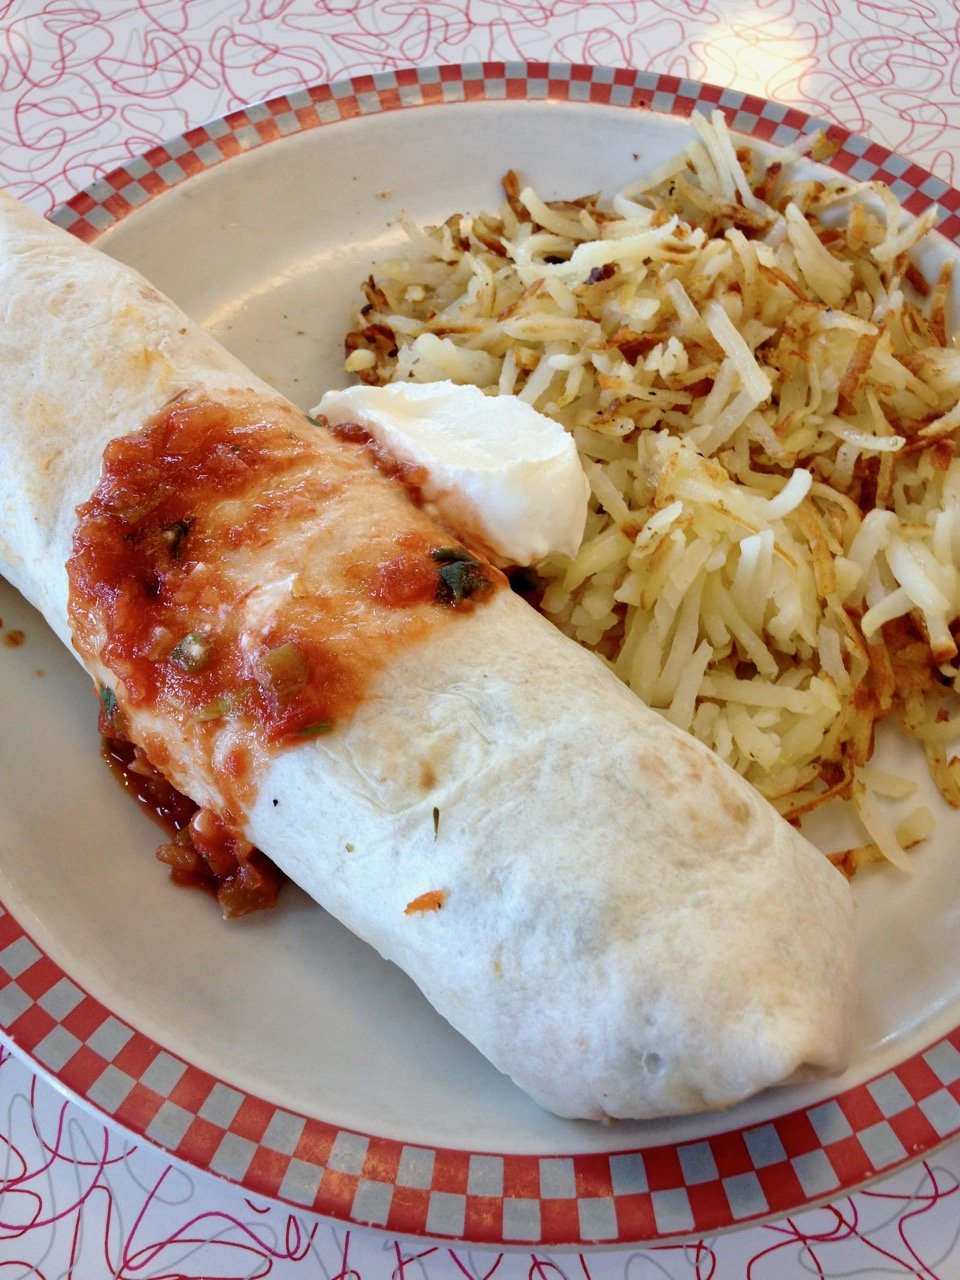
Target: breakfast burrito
{"points": [[271, 613]]}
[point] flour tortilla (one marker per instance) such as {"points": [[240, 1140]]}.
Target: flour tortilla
{"points": [[628, 929]]}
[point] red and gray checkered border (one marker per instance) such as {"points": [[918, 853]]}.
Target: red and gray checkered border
{"points": [[106, 202], [660, 1192]]}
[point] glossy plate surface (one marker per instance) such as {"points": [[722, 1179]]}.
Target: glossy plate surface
{"points": [[279, 1051]]}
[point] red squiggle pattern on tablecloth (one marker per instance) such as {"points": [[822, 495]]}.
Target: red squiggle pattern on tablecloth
{"points": [[81, 1201], [86, 86], [82, 92]]}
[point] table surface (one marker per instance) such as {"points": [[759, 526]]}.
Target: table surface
{"points": [[86, 86]]}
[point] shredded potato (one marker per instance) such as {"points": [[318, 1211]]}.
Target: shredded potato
{"points": [[766, 402]]}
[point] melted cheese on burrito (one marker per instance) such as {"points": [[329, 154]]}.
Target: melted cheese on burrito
{"points": [[610, 914], [244, 573]]}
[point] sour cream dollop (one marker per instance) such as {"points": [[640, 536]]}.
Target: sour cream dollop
{"points": [[500, 474]]}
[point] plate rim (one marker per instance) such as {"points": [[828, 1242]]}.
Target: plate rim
{"points": [[664, 1192]]}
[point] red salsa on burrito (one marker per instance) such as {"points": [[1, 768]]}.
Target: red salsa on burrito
{"points": [[227, 574]]}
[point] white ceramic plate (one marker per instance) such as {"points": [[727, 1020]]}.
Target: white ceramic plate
{"points": [[278, 1050]]}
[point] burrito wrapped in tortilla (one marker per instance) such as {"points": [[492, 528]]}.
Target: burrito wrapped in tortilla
{"points": [[606, 911]]}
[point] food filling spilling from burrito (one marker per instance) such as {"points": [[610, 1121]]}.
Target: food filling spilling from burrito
{"points": [[206, 577]]}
